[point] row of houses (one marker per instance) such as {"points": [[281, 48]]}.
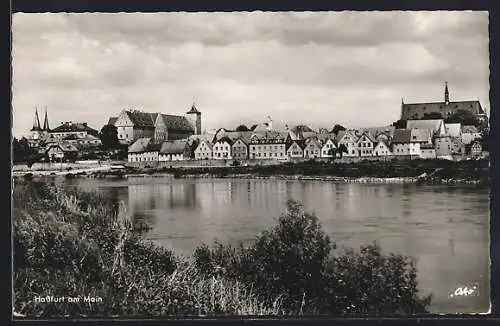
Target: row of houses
{"points": [[421, 139]]}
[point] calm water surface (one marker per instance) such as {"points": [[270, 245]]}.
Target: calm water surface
{"points": [[445, 228]]}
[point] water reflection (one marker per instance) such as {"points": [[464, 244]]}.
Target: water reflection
{"points": [[446, 229]]}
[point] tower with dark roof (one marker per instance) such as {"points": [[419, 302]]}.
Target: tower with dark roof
{"points": [[194, 117]]}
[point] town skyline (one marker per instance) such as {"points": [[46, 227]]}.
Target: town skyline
{"points": [[313, 68]]}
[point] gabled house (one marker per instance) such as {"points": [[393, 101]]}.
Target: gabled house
{"points": [[295, 149], [401, 142], [143, 150], [203, 150], [312, 148], [239, 149], [61, 151], [132, 125], [349, 139], [382, 148], [421, 138], [174, 150], [457, 147], [328, 148], [476, 149], [221, 149], [365, 144]]}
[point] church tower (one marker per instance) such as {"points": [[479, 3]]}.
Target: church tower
{"points": [[36, 122], [46, 127], [446, 94], [194, 117], [36, 129]]}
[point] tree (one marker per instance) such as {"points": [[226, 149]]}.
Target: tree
{"points": [[253, 127], [342, 149], [432, 115], [21, 151], [337, 128], [400, 124], [463, 117], [333, 153], [242, 128], [109, 137], [484, 140]]}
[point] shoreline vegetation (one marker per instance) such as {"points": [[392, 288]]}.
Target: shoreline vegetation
{"points": [[414, 171], [70, 244]]}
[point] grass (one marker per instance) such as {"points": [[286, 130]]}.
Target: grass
{"points": [[74, 244]]}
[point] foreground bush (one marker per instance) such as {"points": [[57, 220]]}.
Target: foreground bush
{"points": [[75, 244], [294, 258]]}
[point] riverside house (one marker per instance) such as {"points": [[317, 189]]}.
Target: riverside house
{"points": [[143, 150], [401, 143], [349, 139], [328, 148], [294, 149], [313, 148], [419, 138], [222, 149], [174, 150], [203, 150], [365, 144], [239, 149], [382, 148], [268, 145]]}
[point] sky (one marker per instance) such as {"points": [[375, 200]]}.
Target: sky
{"points": [[313, 68]]}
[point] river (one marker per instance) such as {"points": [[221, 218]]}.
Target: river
{"points": [[444, 227]]}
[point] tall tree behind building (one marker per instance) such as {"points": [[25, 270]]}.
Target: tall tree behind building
{"points": [[109, 137]]}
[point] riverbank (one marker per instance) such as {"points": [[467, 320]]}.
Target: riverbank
{"points": [[71, 244], [414, 171]]}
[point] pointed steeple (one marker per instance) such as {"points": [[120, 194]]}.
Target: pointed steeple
{"points": [[193, 109], [46, 122], [446, 94], [36, 121]]}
